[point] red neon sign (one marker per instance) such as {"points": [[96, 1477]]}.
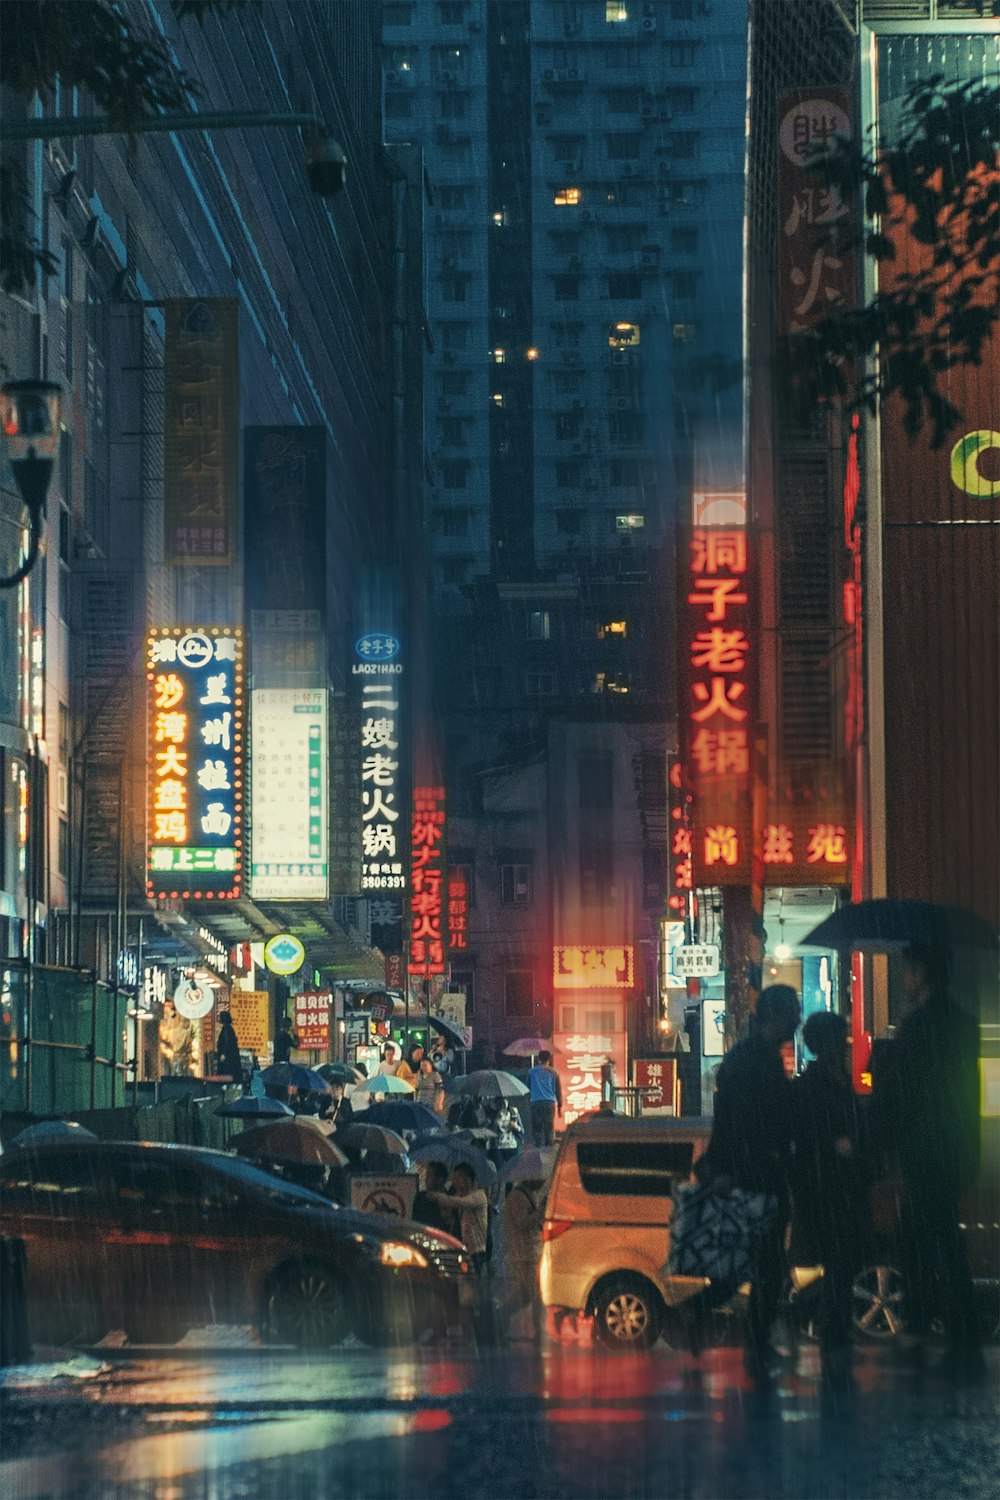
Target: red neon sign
{"points": [[427, 894]]}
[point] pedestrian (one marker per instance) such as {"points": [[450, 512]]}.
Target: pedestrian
{"points": [[228, 1063], [429, 1088], [429, 1209], [546, 1099], [472, 1207], [926, 1108], [284, 1041], [831, 1178], [338, 1111], [443, 1055], [751, 1148], [390, 1061], [409, 1068], [176, 1042], [524, 1209]]}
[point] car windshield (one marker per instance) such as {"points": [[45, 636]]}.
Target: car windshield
{"points": [[245, 1178]]}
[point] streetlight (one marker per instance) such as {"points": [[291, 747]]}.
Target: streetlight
{"points": [[29, 421]]}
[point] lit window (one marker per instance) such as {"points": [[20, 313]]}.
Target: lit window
{"points": [[623, 335], [566, 196], [615, 11], [611, 629], [498, 398], [631, 522], [499, 355]]}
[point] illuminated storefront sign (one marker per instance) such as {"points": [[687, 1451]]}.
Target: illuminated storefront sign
{"points": [[815, 272], [195, 762], [717, 699], [427, 925], [579, 1058], [288, 780], [251, 1013], [681, 881], [458, 910], [284, 954], [577, 968], [200, 431], [382, 835], [312, 1020]]}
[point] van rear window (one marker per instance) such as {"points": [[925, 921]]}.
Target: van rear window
{"points": [[642, 1169]]}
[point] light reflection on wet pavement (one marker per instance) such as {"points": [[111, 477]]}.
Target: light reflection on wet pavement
{"points": [[239, 1423]]}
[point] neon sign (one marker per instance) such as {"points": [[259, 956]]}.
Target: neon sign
{"points": [[427, 880]]}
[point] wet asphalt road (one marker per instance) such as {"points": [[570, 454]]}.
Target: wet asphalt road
{"points": [[243, 1424]]}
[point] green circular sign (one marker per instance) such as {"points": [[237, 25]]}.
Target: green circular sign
{"points": [[284, 954]]}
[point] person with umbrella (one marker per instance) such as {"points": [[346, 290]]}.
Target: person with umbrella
{"points": [[523, 1212], [337, 1110], [228, 1062], [409, 1068], [925, 1096], [428, 1207]]}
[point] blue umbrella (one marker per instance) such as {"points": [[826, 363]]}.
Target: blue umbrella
{"points": [[289, 1076], [249, 1107], [407, 1114]]}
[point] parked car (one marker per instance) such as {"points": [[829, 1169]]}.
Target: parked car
{"points": [[157, 1239], [605, 1240]]}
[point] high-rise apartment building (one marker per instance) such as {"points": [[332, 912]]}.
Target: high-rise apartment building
{"points": [[584, 294]]}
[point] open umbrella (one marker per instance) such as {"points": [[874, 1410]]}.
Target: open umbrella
{"points": [[878, 926], [454, 1035], [385, 1083], [289, 1140], [340, 1072], [288, 1076], [248, 1107], [527, 1046], [52, 1130], [531, 1165], [488, 1083], [362, 1137], [451, 1152], [402, 1114]]}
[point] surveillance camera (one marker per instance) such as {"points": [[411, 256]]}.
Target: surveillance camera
{"points": [[327, 167]]}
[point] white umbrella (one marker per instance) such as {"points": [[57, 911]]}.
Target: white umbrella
{"points": [[384, 1083], [528, 1046]]}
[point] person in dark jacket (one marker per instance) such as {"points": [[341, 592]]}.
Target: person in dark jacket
{"points": [[427, 1209], [228, 1062], [830, 1181], [284, 1041], [751, 1148], [926, 1106]]}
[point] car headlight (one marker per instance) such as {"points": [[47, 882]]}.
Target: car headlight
{"points": [[395, 1253]]}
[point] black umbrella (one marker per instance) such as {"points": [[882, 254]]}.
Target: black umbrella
{"points": [[287, 1076], [407, 1114], [340, 1072], [879, 926], [452, 1034], [248, 1107]]}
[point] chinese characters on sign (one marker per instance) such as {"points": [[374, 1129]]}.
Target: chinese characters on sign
{"points": [[659, 1079], [200, 433], [681, 871], [195, 762], [815, 265], [579, 1058], [288, 763], [717, 675], [312, 1020], [382, 838], [592, 968], [427, 877], [458, 910]]}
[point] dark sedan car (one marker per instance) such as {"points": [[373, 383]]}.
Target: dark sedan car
{"points": [[159, 1239]]}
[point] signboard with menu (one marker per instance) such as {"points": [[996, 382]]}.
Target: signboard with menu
{"points": [[312, 1020]]}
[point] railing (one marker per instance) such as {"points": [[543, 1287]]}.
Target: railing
{"points": [[60, 1039]]}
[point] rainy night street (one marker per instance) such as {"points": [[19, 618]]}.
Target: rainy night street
{"points": [[235, 1422]]}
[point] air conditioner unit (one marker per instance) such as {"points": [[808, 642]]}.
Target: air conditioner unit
{"points": [[629, 168], [620, 357], [649, 24], [587, 217], [663, 211], [620, 403], [443, 404], [448, 75], [649, 111], [663, 169], [391, 78], [543, 116], [448, 356], [575, 262], [650, 255]]}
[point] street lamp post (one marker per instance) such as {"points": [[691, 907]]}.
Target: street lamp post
{"points": [[29, 425]]}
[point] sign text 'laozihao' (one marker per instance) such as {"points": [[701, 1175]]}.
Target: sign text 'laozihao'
{"points": [[427, 878], [195, 696]]}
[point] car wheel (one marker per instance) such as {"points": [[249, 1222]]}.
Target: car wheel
{"points": [[304, 1306], [627, 1313], [879, 1310]]}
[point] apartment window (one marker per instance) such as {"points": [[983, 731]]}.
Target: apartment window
{"points": [[565, 147], [685, 333], [452, 105], [624, 336], [498, 399], [398, 59], [566, 288], [465, 979], [64, 553], [630, 194], [396, 13], [623, 145], [452, 13], [622, 101], [454, 521], [567, 197], [567, 382], [625, 239], [624, 285], [540, 684], [595, 775], [539, 625], [453, 382], [399, 106], [569, 522], [612, 630], [454, 335], [453, 288], [684, 241], [566, 335], [455, 570], [681, 54], [62, 853], [518, 999], [684, 145], [690, 193], [569, 473], [596, 872], [624, 473], [63, 733], [633, 521], [682, 101], [682, 10], [568, 424], [516, 882], [619, 58], [66, 467], [455, 474], [615, 10], [452, 197], [685, 284], [449, 64], [452, 431], [627, 428]]}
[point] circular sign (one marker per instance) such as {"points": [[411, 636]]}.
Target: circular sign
{"points": [[384, 1200], [193, 1000], [376, 647], [284, 954], [194, 649]]}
